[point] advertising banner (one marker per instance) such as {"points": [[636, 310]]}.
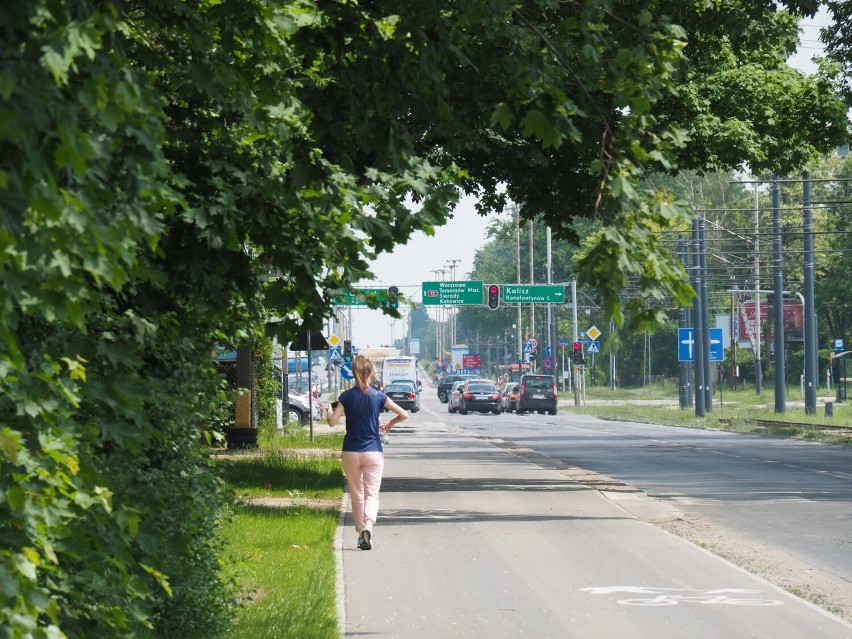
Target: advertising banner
{"points": [[793, 322], [471, 361], [414, 347], [458, 351]]}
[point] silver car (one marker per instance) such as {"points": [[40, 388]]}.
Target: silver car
{"points": [[509, 397], [454, 396]]}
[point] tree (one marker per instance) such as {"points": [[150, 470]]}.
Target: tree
{"points": [[838, 43], [176, 174], [833, 264]]}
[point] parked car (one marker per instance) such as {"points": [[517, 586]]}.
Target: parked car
{"points": [[509, 397], [405, 394], [446, 384], [298, 410], [455, 396], [479, 395], [536, 392]]}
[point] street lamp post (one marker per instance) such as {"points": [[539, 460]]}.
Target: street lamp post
{"points": [[452, 266], [439, 331]]}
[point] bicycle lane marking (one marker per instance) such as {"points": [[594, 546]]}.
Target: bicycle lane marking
{"points": [[675, 596]]}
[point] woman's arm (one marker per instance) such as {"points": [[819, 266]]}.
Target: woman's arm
{"points": [[401, 415], [336, 413]]}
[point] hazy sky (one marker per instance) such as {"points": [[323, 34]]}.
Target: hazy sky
{"points": [[410, 265], [810, 45]]}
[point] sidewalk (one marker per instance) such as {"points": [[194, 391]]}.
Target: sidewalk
{"points": [[474, 541]]}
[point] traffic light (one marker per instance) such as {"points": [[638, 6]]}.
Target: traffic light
{"points": [[493, 296], [393, 297], [347, 350], [577, 356]]}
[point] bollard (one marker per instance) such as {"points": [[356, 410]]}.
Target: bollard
{"points": [[829, 409]]}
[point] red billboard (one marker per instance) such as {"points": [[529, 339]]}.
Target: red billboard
{"points": [[471, 361], [793, 320]]}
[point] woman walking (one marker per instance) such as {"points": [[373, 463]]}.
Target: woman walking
{"points": [[363, 457]]}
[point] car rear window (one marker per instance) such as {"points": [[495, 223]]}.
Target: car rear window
{"points": [[482, 388], [406, 388], [539, 382]]}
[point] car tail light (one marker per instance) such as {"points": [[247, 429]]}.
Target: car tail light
{"points": [[411, 396], [468, 395], [495, 395], [555, 392]]}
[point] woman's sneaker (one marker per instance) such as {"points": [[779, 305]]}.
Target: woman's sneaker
{"points": [[364, 540]]}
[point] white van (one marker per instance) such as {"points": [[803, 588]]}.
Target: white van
{"points": [[398, 369]]}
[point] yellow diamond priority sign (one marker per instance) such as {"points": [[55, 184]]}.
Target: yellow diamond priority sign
{"points": [[593, 333]]}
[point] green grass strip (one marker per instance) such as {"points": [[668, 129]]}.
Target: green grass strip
{"points": [[284, 473], [283, 559]]}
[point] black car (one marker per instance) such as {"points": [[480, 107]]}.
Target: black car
{"points": [[446, 384], [536, 392], [479, 395], [404, 394]]}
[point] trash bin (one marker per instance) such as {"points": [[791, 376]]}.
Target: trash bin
{"points": [[241, 437], [829, 409]]}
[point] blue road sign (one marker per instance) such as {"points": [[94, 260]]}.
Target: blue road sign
{"points": [[346, 371], [594, 347], [685, 344], [717, 347], [838, 344], [335, 353]]}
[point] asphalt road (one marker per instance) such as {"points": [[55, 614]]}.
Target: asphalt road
{"points": [[475, 541], [790, 494]]}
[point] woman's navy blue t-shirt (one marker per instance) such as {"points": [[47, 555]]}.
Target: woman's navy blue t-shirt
{"points": [[362, 412]]}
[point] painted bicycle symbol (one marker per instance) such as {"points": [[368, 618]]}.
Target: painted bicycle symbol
{"points": [[675, 596]]}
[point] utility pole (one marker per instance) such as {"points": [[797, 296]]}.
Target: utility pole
{"points": [[452, 266], [439, 329], [698, 328], [575, 370], [613, 363], [810, 324], [684, 321], [551, 316], [532, 279], [518, 271], [778, 307], [705, 317], [758, 328]]}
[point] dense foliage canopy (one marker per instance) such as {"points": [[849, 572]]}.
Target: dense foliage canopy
{"points": [[176, 173]]}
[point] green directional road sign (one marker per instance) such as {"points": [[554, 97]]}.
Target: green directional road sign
{"points": [[356, 298], [533, 294], [452, 293]]}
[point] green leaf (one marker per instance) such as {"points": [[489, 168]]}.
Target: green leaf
{"points": [[16, 498], [502, 115]]}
